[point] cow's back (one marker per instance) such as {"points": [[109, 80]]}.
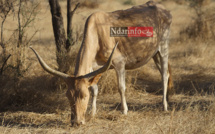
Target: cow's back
{"points": [[136, 50]]}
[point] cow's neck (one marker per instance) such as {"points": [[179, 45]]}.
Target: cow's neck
{"points": [[88, 50], [85, 58], [83, 64]]}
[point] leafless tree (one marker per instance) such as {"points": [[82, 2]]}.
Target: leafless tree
{"points": [[63, 42], [19, 40], [5, 8]]}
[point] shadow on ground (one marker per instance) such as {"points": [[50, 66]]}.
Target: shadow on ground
{"points": [[201, 105], [197, 83], [36, 94]]}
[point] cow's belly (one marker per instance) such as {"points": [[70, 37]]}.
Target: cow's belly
{"points": [[136, 51], [139, 53], [138, 61]]}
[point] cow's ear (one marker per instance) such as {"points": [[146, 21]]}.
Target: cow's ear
{"points": [[94, 80]]}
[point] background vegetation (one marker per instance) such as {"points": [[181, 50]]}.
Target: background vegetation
{"points": [[32, 101]]}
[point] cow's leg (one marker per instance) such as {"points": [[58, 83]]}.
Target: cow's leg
{"points": [[165, 76], [94, 89], [120, 71], [164, 65], [163, 69], [156, 59], [170, 89]]}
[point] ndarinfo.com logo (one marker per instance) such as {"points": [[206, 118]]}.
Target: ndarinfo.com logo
{"points": [[131, 31]]}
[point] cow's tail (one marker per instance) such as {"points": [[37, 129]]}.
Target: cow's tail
{"points": [[170, 89]]}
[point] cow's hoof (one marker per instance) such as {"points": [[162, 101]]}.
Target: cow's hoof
{"points": [[125, 112]]}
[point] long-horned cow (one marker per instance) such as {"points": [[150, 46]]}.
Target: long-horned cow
{"points": [[98, 48]]}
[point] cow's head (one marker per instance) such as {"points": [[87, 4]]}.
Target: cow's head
{"points": [[77, 93]]}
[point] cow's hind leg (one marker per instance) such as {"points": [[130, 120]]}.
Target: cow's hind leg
{"points": [[163, 54], [156, 59], [120, 71], [165, 76], [170, 89]]}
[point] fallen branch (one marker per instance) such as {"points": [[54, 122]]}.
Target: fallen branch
{"points": [[2, 68]]}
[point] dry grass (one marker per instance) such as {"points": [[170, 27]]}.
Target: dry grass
{"points": [[90, 4], [35, 104], [192, 114]]}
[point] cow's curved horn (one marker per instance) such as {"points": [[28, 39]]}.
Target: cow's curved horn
{"points": [[48, 69], [103, 69]]}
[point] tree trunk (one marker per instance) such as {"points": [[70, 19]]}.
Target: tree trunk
{"points": [[62, 42], [60, 36], [70, 13]]}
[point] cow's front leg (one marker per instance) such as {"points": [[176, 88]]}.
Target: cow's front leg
{"points": [[120, 71], [94, 89]]}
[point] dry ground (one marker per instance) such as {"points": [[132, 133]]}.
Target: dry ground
{"points": [[36, 106]]}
